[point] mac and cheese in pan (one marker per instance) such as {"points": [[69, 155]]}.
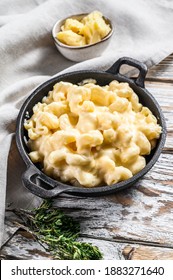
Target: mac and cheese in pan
{"points": [[90, 135]]}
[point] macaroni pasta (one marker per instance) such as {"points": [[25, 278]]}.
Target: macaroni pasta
{"points": [[89, 30], [90, 135]]}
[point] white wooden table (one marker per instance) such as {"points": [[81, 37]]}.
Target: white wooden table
{"points": [[136, 223]]}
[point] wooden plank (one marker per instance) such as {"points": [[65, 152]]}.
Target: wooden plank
{"points": [[169, 142], [9, 228], [147, 253], [163, 93], [23, 247], [163, 71]]}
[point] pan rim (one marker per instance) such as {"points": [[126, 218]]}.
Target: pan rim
{"points": [[102, 190]]}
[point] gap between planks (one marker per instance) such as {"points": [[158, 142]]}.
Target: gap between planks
{"points": [[159, 80], [163, 80], [128, 241]]}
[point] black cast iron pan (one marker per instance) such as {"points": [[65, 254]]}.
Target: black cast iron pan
{"points": [[42, 185]]}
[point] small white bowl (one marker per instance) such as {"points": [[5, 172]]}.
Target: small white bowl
{"points": [[81, 53]]}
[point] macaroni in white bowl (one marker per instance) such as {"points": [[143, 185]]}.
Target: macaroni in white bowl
{"points": [[90, 135], [91, 29]]}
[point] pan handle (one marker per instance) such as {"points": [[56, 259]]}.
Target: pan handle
{"points": [[41, 186], [115, 68]]}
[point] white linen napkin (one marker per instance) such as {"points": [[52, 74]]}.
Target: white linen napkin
{"points": [[143, 30]]}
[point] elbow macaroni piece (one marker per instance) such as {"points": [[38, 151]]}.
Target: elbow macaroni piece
{"points": [[91, 29], [90, 135]]}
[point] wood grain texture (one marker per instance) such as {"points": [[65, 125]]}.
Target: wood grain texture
{"points": [[23, 246], [146, 253], [163, 93], [163, 71]]}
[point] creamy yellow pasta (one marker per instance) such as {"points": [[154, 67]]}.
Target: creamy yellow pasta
{"points": [[90, 29], [90, 135]]}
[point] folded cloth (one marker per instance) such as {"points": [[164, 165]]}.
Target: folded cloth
{"points": [[143, 30]]}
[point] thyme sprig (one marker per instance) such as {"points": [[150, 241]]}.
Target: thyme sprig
{"points": [[59, 232]]}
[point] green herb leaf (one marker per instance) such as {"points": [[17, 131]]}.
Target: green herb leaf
{"points": [[59, 231]]}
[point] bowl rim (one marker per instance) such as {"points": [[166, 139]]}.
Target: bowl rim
{"points": [[80, 47]]}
